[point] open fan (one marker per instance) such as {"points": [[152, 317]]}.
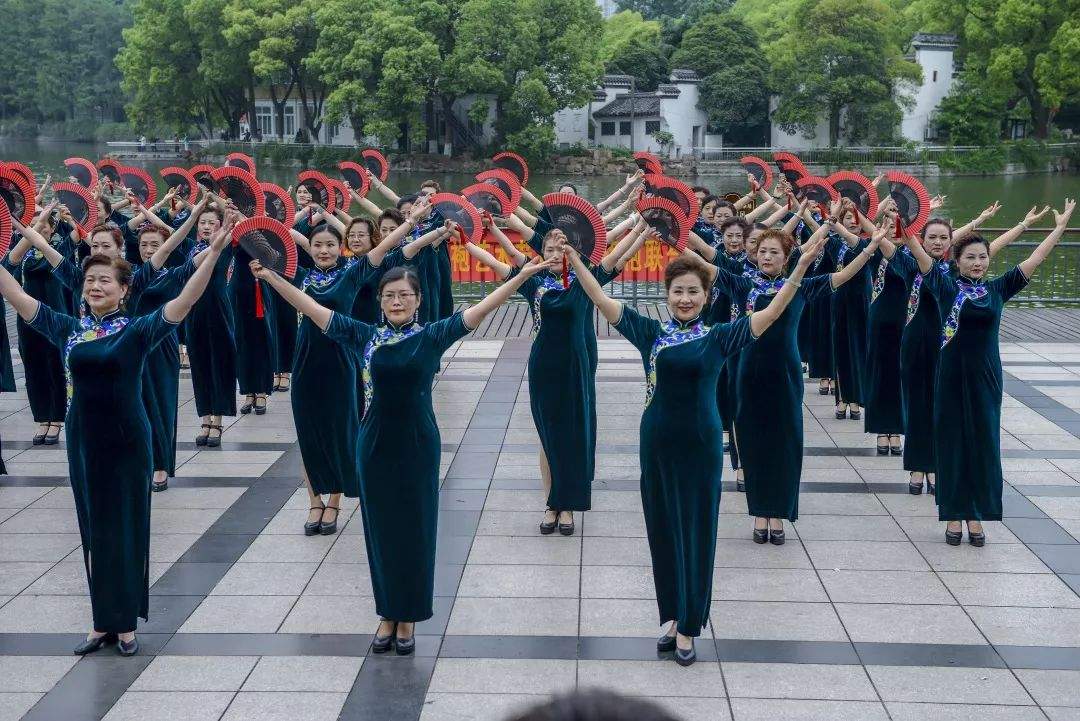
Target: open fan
{"points": [[661, 186], [242, 161], [17, 195], [182, 180], [817, 189], [319, 187], [204, 176], [505, 181], [110, 169], [487, 197], [857, 188], [26, 173], [376, 163], [580, 221], [79, 201], [790, 166], [84, 172], [759, 169], [912, 200], [667, 220], [5, 230], [342, 197], [241, 187], [269, 242], [459, 210], [139, 182], [648, 162], [356, 176], [514, 163], [279, 205]]}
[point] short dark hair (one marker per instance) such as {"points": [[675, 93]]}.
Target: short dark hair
{"points": [[326, 228], [106, 205], [392, 214], [401, 272], [937, 221], [569, 185], [215, 210], [151, 228], [431, 183], [121, 266], [682, 266], [402, 201], [701, 189], [736, 220], [721, 203], [970, 239], [111, 230], [787, 243]]}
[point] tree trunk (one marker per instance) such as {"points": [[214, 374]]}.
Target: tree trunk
{"points": [[834, 126], [448, 115]]}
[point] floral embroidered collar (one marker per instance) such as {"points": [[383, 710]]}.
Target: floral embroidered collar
{"points": [[91, 328], [763, 285], [672, 333], [548, 282], [915, 296], [319, 279], [969, 289], [385, 334]]}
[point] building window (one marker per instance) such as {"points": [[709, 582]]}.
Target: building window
{"points": [[652, 126], [290, 121], [264, 120], [607, 128], [624, 127], [935, 77]]}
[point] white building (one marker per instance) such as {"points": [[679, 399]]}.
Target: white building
{"points": [[935, 55]]}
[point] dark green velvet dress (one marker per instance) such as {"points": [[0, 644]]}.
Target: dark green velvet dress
{"points": [[446, 281], [110, 459], [150, 290], [919, 348], [211, 343], [7, 371], [253, 315], [426, 265], [399, 450], [817, 323], [768, 409], [719, 310], [967, 394], [327, 397], [885, 325], [682, 456], [562, 384], [849, 311]]}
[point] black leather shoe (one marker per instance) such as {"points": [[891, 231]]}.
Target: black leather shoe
{"points": [[896, 450], [38, 439], [883, 449], [51, 440], [200, 440], [761, 535], [214, 441], [977, 539], [687, 657], [158, 487], [91, 645], [382, 644], [841, 415], [740, 485], [567, 529], [931, 488], [128, 649], [246, 408], [311, 528], [855, 415], [404, 646], [260, 410], [776, 538], [329, 529], [664, 644], [953, 538], [823, 390], [915, 489], [727, 446], [546, 529]]}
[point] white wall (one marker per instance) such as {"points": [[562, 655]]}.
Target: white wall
{"points": [[928, 95], [797, 141], [461, 108], [572, 126], [681, 114]]}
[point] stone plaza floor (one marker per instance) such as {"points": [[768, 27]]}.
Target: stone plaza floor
{"points": [[864, 614]]}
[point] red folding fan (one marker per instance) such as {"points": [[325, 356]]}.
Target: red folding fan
{"points": [[81, 204], [662, 186], [184, 183], [912, 200], [17, 195], [26, 173], [267, 241], [505, 181], [342, 196], [514, 163], [459, 210], [319, 187], [667, 220], [204, 176], [580, 221], [759, 169], [356, 176], [84, 172], [5, 230], [241, 187], [110, 169], [376, 163], [487, 197], [648, 162], [818, 190], [139, 182], [857, 188], [790, 166], [240, 160], [278, 204]]}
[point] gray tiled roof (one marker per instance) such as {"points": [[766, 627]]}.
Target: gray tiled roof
{"points": [[644, 104], [684, 74]]}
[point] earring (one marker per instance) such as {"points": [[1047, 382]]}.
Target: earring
{"points": [[416, 316], [382, 318]]}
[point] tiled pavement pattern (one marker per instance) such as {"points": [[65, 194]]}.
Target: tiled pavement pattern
{"points": [[864, 614]]}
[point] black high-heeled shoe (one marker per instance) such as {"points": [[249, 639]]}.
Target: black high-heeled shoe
{"points": [[546, 529], [128, 649], [214, 441], [740, 485], [260, 410], [312, 527], [915, 489], [776, 537], [95, 644], [665, 644], [382, 644], [248, 405], [687, 657], [977, 538], [824, 390], [761, 535], [567, 529], [159, 486], [404, 646], [953, 538], [39, 438], [50, 439], [896, 450], [855, 415], [883, 448], [841, 414], [200, 440], [329, 529], [931, 487]]}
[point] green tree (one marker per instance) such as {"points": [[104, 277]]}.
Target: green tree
{"points": [[971, 113], [840, 56], [1025, 49], [631, 45]]}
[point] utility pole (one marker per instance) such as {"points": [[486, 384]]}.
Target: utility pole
{"points": [[633, 89]]}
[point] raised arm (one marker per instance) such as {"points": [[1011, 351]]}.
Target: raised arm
{"points": [[517, 258], [44, 187], [855, 265], [708, 267], [157, 260], [320, 315], [52, 255], [432, 236], [793, 221], [610, 308], [525, 216], [535, 202], [699, 246], [612, 199], [1043, 249], [19, 299], [385, 190], [498, 267], [1003, 240], [615, 254], [178, 308], [923, 258], [474, 315], [761, 320], [622, 208], [365, 204], [981, 218], [764, 207]]}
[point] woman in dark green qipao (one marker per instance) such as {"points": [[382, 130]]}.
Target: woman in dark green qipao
{"points": [[327, 432], [848, 319], [682, 455], [399, 446], [110, 459], [769, 379], [968, 388]]}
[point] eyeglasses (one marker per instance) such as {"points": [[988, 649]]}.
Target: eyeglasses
{"points": [[398, 296]]}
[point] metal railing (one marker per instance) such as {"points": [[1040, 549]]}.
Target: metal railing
{"points": [[858, 155]]}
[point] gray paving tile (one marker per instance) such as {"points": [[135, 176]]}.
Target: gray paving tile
{"points": [[340, 579], [514, 616], [525, 676], [767, 584], [45, 614], [195, 673], [304, 673], [1062, 713], [642, 678], [32, 674], [285, 548], [169, 706], [1003, 558], [525, 581], [887, 623], [903, 587], [239, 614], [499, 550], [865, 555], [848, 528], [289, 706], [265, 579], [962, 712], [949, 685], [332, 614], [695, 709], [16, 576], [14, 705], [748, 709], [1010, 589], [617, 582], [1028, 626], [477, 707], [41, 547], [744, 553], [794, 680], [776, 621], [1052, 688]]}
